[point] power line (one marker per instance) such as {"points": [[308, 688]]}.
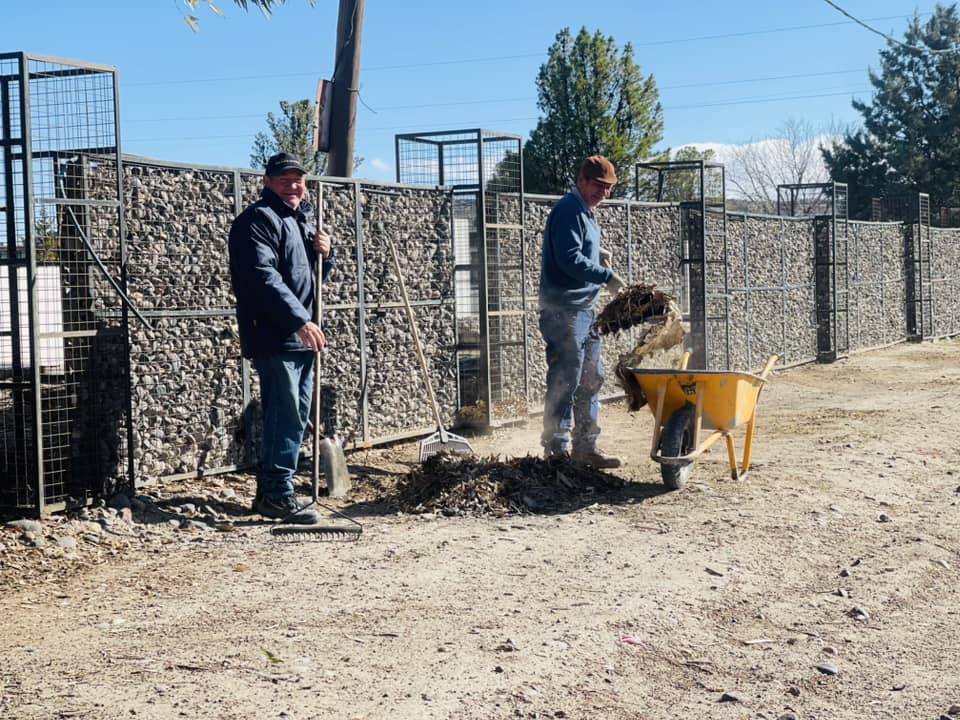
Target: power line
{"points": [[490, 101], [473, 121], [888, 38], [498, 58]]}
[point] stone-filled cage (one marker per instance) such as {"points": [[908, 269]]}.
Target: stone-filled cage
{"points": [[699, 189], [484, 170], [64, 381]]}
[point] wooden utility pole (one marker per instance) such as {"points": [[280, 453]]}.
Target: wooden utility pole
{"points": [[346, 87]]}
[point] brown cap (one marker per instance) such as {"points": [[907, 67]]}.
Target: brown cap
{"points": [[597, 167]]}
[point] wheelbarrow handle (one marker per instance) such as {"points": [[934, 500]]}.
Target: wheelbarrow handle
{"points": [[771, 361]]}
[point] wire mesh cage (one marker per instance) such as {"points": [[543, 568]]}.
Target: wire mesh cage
{"points": [[63, 329], [699, 187], [484, 168], [800, 199]]}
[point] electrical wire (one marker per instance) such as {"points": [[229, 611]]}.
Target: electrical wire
{"points": [[888, 38]]}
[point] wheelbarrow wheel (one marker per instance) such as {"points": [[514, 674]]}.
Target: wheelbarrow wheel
{"points": [[677, 440]]}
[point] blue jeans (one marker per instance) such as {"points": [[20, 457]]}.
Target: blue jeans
{"points": [[286, 392], [574, 378]]}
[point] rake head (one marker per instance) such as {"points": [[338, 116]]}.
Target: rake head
{"points": [[443, 441], [317, 533], [347, 531]]}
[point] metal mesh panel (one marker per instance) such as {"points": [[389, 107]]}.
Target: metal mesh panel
{"points": [[700, 189], [62, 325], [485, 171], [805, 199]]}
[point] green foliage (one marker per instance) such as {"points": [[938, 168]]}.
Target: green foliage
{"points": [[265, 6], [45, 237], [593, 101], [911, 136], [291, 132], [684, 185], [506, 174]]}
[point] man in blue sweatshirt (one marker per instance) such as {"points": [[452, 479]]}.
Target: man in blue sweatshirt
{"points": [[571, 274]]}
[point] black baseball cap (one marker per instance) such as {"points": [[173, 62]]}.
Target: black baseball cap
{"points": [[284, 162]]}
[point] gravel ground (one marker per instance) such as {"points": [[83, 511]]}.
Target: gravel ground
{"points": [[823, 585]]}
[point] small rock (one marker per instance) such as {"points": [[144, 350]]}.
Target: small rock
{"points": [[954, 709], [841, 592], [793, 690], [858, 613], [844, 572], [788, 716], [884, 518], [829, 650], [730, 697], [30, 526], [827, 668], [36, 540]]}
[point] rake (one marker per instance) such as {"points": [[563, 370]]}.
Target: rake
{"points": [[349, 531], [442, 440]]}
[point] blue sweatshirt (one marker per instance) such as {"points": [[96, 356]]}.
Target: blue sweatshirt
{"points": [[571, 273]]}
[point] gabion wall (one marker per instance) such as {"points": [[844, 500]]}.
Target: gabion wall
{"points": [[194, 404], [877, 288], [770, 271], [945, 293], [194, 398]]}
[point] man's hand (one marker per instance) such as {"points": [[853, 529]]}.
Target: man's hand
{"points": [[312, 337], [321, 243], [606, 258], [615, 285]]}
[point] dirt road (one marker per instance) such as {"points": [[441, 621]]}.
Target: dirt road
{"points": [[824, 585]]}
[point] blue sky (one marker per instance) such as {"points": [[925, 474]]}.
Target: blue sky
{"points": [[728, 72]]}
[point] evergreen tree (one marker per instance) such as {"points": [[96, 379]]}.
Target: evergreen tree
{"points": [[292, 132], [911, 136], [594, 101]]}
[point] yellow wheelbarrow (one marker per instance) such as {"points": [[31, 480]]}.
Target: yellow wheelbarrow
{"points": [[693, 409]]}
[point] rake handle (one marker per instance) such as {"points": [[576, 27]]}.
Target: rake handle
{"points": [[416, 337], [318, 318]]}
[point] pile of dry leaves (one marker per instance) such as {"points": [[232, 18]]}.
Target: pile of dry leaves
{"points": [[464, 485]]}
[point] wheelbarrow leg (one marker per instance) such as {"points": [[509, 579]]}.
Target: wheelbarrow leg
{"points": [[748, 443], [657, 418], [732, 456]]}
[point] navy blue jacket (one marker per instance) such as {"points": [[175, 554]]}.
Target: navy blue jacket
{"points": [[570, 271], [272, 268]]}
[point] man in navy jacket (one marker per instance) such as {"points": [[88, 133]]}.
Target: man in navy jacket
{"points": [[274, 247]]}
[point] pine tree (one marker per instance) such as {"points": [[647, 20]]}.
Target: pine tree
{"points": [[594, 101], [293, 133], [911, 137]]}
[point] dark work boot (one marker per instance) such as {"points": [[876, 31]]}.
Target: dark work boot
{"points": [[288, 509]]}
